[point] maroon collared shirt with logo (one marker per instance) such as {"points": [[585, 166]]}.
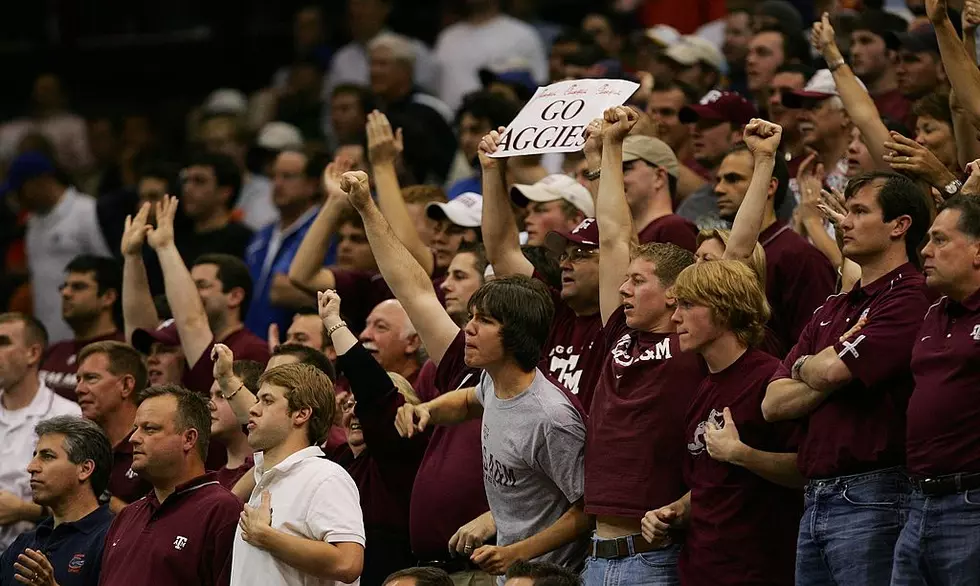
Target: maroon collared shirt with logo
{"points": [[125, 484], [672, 229], [742, 527], [185, 540], [61, 363], [861, 426], [634, 445], [942, 434]]}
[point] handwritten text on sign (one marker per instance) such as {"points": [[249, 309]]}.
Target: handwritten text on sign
{"points": [[556, 116]]}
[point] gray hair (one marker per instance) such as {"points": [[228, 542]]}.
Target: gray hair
{"points": [[400, 46], [84, 440]]}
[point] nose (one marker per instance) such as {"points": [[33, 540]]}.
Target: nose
{"points": [[33, 467], [470, 329], [211, 406], [675, 317], [254, 410], [920, 139]]}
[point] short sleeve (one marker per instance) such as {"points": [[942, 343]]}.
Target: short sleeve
{"points": [[481, 388], [198, 378], [335, 514], [561, 453], [615, 328]]}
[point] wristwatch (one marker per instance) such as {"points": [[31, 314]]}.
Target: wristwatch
{"points": [[798, 366], [835, 65], [953, 187], [592, 175]]}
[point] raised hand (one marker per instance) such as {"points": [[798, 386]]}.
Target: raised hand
{"points": [[971, 15], [162, 235], [272, 337], [488, 146], [384, 146], [411, 419], [328, 307], [134, 232], [617, 123], [355, 185], [823, 40], [972, 184], [593, 143], [832, 206], [936, 10], [762, 137], [909, 157], [331, 178], [224, 360]]}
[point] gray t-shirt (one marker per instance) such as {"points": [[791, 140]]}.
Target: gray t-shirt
{"points": [[533, 463]]}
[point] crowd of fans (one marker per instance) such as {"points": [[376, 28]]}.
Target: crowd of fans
{"points": [[733, 340]]}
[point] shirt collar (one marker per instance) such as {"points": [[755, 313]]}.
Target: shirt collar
{"points": [[884, 282], [299, 223], [971, 303], [289, 462], [86, 524], [182, 489], [39, 405]]}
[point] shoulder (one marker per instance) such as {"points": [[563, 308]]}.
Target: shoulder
{"points": [[556, 404], [432, 103], [62, 406], [517, 26], [906, 289], [217, 499], [323, 474]]}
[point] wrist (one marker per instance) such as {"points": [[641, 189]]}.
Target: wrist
{"points": [[330, 321], [738, 454], [764, 158]]}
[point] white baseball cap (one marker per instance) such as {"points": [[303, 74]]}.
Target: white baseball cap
{"points": [[692, 49], [553, 188], [820, 87], [663, 35], [226, 101], [279, 136], [464, 210]]}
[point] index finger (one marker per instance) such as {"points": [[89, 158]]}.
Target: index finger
{"points": [[904, 140]]}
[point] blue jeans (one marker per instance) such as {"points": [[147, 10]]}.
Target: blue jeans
{"points": [[654, 568], [940, 543], [849, 528]]}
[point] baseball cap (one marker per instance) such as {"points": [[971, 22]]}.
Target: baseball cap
{"points": [[25, 167], [785, 14], [226, 101], [554, 188], [921, 39], [880, 22], [586, 234], [652, 150], [513, 72], [663, 35], [464, 210], [279, 136], [165, 333], [720, 106], [820, 87], [692, 49]]}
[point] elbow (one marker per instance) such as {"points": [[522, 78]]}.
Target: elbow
{"points": [[350, 570], [833, 377], [770, 408]]}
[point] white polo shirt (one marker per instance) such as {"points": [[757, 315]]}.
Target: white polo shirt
{"points": [[17, 441], [312, 497]]}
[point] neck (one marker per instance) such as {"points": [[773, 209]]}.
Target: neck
{"points": [[75, 507], [289, 214], [236, 449], [722, 352], [793, 143], [651, 209], [225, 326], [408, 367], [49, 205], [887, 81], [768, 219], [213, 222], [965, 290], [663, 325], [482, 16], [21, 393], [358, 449], [120, 423], [886, 262], [509, 380], [102, 325], [583, 307], [834, 151], [192, 469], [293, 443]]}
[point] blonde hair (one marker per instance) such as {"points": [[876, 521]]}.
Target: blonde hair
{"points": [[404, 388], [306, 386], [733, 293], [668, 259], [423, 194], [756, 261]]}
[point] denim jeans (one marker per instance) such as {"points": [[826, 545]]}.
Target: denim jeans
{"points": [[849, 528], [654, 568], [940, 543]]}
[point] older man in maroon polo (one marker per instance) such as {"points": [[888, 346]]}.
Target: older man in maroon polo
{"points": [[942, 438]]}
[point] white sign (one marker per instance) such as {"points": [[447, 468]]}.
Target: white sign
{"points": [[554, 119]]}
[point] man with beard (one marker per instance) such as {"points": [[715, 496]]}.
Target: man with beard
{"points": [[89, 305]]}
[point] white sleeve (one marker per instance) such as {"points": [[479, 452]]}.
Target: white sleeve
{"points": [[426, 69], [89, 227], [335, 514]]}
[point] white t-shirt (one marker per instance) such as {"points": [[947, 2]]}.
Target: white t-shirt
{"points": [[313, 498], [17, 441], [463, 48], [71, 228], [350, 64], [255, 202]]}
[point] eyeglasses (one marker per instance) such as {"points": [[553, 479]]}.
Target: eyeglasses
{"points": [[578, 253], [349, 405]]}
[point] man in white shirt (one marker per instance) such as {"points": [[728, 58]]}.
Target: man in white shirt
{"points": [[303, 523], [486, 37], [62, 225], [24, 402]]}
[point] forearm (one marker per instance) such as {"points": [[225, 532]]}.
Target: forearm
{"points": [[572, 524], [185, 305], [451, 408], [861, 110], [788, 399], [242, 399], [824, 372], [403, 274], [317, 558], [748, 220], [393, 207], [963, 75], [616, 233], [687, 182], [284, 294], [343, 339], [139, 312], [500, 236], [821, 240], [305, 270], [778, 468]]}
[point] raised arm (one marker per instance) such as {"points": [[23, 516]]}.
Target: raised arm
{"points": [[762, 138], [139, 313], [182, 296], [233, 389], [403, 274], [961, 69], [616, 233], [809, 180], [500, 235], [384, 149], [306, 271], [857, 101]]}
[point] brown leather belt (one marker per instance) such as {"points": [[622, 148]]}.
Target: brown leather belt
{"points": [[946, 485], [621, 547]]}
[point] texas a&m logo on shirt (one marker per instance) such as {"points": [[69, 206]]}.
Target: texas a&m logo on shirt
{"points": [[976, 333], [621, 353], [565, 367], [180, 542], [696, 446]]}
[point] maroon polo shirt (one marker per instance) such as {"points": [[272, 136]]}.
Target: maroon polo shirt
{"points": [[799, 278], [361, 291], [125, 484], [571, 354], [59, 366], [634, 448], [673, 229], [448, 491], [861, 426], [897, 107], [742, 528], [942, 436], [244, 345], [185, 540], [228, 477]]}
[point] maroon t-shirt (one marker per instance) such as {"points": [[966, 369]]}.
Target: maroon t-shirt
{"points": [[742, 528], [448, 491], [425, 382], [59, 366], [185, 540], [942, 433], [228, 477], [244, 345], [361, 291], [125, 484], [897, 107], [673, 229], [861, 426], [799, 278], [571, 353], [634, 448]]}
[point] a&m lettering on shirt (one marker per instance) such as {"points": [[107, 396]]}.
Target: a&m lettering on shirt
{"points": [[697, 445], [976, 333], [564, 366], [180, 542], [622, 357], [495, 472]]}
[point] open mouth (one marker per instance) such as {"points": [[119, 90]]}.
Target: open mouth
{"points": [[355, 426]]}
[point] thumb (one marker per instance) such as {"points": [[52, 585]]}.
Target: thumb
{"points": [[666, 514], [398, 135], [727, 414], [266, 499]]}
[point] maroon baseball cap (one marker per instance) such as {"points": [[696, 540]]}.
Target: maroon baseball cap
{"points": [[720, 106], [586, 234], [165, 333]]}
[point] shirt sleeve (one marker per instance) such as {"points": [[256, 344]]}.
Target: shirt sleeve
{"points": [[223, 540], [335, 514], [560, 454], [481, 388], [198, 378], [89, 221]]}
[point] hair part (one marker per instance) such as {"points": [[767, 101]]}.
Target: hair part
{"points": [[934, 105], [969, 208], [307, 355], [544, 573], [733, 293], [192, 412], [83, 440], [306, 388], [423, 576]]}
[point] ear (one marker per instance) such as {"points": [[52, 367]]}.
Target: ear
{"points": [[301, 416], [412, 344], [902, 225], [190, 440], [85, 470], [976, 255], [669, 298], [129, 386], [236, 297], [34, 354], [109, 297], [225, 194], [773, 186]]}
